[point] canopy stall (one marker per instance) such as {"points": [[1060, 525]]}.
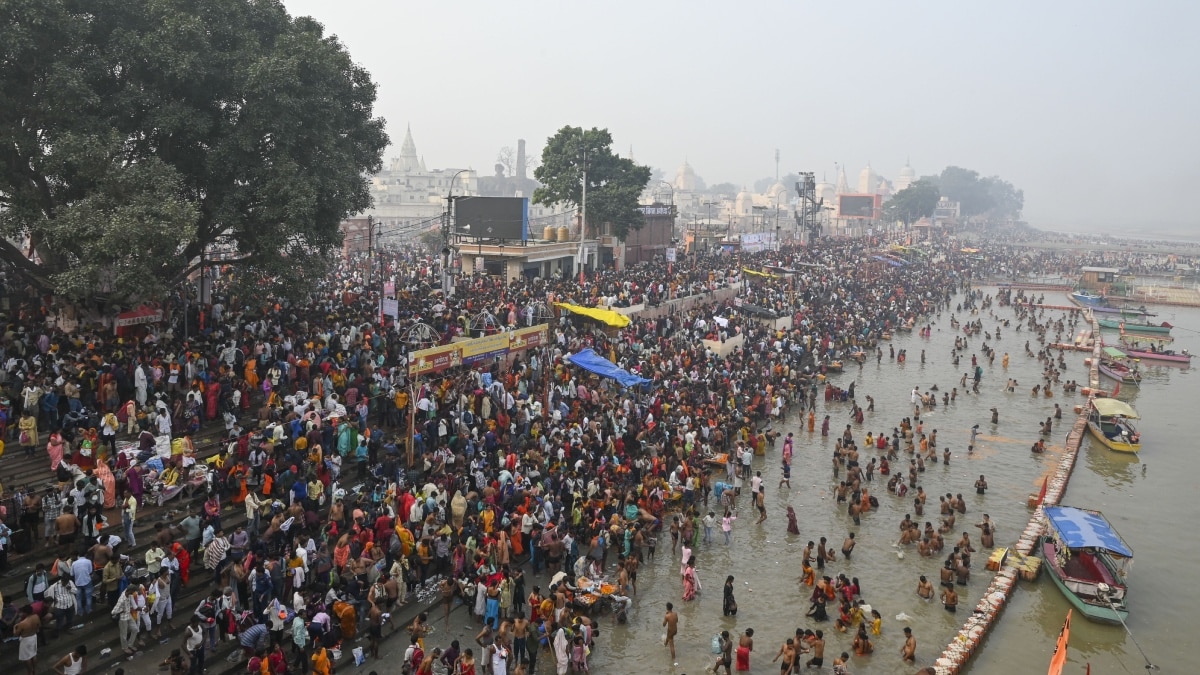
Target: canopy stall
{"points": [[1080, 528], [594, 363], [605, 316], [756, 273], [1111, 407]]}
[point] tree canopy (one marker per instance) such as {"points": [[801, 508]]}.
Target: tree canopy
{"points": [[912, 203], [615, 183], [988, 197], [137, 135]]}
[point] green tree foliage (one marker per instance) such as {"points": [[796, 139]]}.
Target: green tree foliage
{"points": [[614, 186], [1007, 201], [137, 134], [963, 186], [912, 203]]}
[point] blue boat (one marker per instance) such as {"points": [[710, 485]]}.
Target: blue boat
{"points": [[1088, 561], [1089, 298], [1100, 304]]}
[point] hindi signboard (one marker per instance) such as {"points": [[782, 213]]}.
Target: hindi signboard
{"points": [[529, 338], [484, 348], [435, 359]]}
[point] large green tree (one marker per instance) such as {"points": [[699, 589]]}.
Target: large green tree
{"points": [[912, 203], [614, 183], [1007, 200], [137, 135]]}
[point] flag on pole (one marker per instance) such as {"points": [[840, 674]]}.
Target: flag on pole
{"points": [[1042, 494], [1060, 648]]}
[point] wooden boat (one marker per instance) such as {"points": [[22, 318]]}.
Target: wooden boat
{"points": [[1088, 561], [1150, 348], [1109, 420], [1134, 327], [1115, 364], [1124, 311], [1120, 372]]}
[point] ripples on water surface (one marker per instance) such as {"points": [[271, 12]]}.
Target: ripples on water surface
{"points": [[1141, 496]]}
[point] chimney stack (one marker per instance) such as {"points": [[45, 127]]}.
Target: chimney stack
{"points": [[521, 160]]}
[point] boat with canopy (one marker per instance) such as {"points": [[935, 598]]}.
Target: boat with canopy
{"points": [[1088, 561]]}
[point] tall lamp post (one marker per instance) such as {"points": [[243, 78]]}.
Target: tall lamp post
{"points": [[696, 235], [447, 287]]}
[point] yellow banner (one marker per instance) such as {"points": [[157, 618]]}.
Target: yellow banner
{"points": [[434, 359]]}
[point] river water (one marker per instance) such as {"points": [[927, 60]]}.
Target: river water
{"points": [[1142, 496]]}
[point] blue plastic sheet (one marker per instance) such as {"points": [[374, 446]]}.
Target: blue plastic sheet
{"points": [[594, 363]]}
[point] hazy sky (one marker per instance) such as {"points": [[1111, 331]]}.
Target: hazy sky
{"points": [[1091, 108]]}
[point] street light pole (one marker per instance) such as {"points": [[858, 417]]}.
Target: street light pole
{"points": [[447, 287]]}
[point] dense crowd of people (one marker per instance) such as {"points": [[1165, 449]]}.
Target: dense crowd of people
{"points": [[526, 458]]}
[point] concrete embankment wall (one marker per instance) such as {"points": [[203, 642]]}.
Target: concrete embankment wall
{"points": [[968, 639]]}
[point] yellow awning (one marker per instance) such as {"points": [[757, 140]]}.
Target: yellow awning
{"points": [[606, 316], [756, 273]]}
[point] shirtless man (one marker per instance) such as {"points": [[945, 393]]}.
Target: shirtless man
{"points": [[950, 599], [520, 639], [848, 546], [925, 588], [788, 652], [374, 629], [27, 630], [623, 578], [818, 651], [631, 564], [909, 651], [671, 621], [447, 589], [66, 527]]}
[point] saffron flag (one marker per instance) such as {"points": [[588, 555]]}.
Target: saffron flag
{"points": [[1060, 648]]}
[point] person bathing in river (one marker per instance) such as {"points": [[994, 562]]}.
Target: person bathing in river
{"points": [[792, 526]]}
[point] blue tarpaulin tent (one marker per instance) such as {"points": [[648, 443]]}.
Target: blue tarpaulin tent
{"points": [[594, 363]]}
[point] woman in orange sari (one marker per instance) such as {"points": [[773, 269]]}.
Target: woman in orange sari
{"points": [[109, 481], [185, 562], [250, 374], [239, 474], [514, 538]]}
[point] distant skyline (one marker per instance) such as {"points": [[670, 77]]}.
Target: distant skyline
{"points": [[1083, 106]]}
